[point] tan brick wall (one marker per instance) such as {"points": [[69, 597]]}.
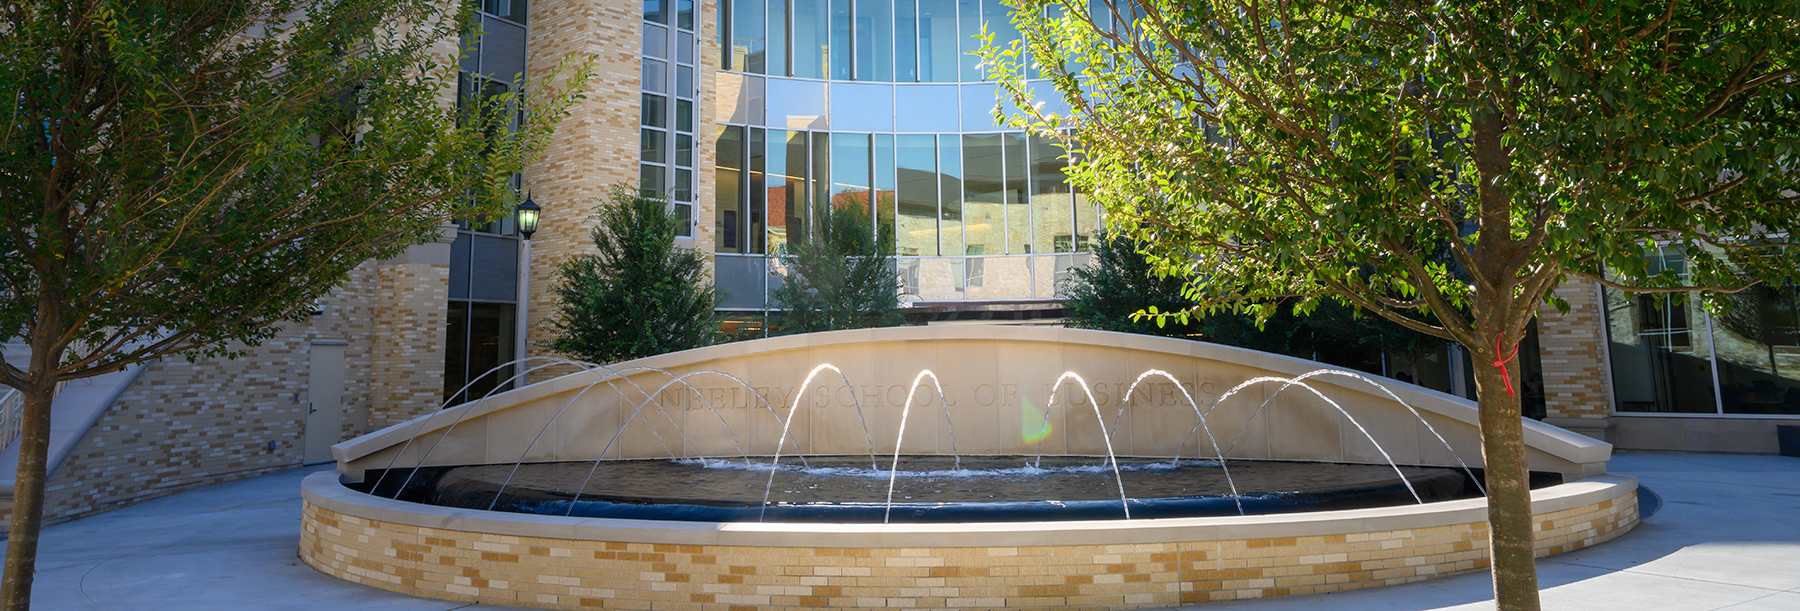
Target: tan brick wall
{"points": [[594, 148], [410, 336], [574, 574], [183, 425], [1573, 358]]}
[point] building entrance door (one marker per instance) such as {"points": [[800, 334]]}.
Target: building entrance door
{"points": [[324, 401]]}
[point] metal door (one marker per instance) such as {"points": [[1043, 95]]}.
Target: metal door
{"points": [[324, 401]]}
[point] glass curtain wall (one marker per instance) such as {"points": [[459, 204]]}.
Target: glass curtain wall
{"points": [[666, 152], [1670, 355], [868, 106]]}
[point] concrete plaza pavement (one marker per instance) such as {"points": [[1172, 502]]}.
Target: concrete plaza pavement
{"points": [[1728, 537]]}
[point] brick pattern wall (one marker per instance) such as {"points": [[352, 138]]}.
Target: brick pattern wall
{"points": [[411, 332], [1572, 355], [184, 425], [594, 148], [566, 574]]}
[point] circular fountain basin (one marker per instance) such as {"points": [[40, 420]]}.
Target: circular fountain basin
{"points": [[932, 489], [1065, 393]]}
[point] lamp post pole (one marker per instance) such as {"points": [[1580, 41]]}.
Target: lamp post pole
{"points": [[526, 216]]}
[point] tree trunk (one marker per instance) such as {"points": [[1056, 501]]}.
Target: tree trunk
{"points": [[28, 497], [1510, 536]]}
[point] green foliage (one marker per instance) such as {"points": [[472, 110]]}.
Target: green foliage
{"points": [[639, 294], [1330, 148], [1109, 294], [179, 175], [843, 277], [1114, 293]]}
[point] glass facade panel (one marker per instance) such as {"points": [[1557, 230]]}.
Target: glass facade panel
{"points": [[917, 195], [875, 40], [938, 33], [753, 231], [1052, 208], [1018, 215], [780, 187], [950, 199], [850, 171], [653, 145], [820, 175], [656, 76], [812, 39], [797, 104], [728, 189], [777, 55], [1661, 348], [969, 63], [927, 109], [884, 185], [684, 11], [656, 42], [838, 67], [984, 194], [906, 58], [655, 111], [1758, 346], [656, 11], [747, 36], [862, 107]]}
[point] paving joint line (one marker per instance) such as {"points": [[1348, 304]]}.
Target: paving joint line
{"points": [[1648, 574]]}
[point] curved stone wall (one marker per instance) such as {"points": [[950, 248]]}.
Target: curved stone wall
{"points": [[997, 383], [575, 563]]}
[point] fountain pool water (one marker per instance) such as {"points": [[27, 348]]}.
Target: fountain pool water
{"points": [[1129, 467]]}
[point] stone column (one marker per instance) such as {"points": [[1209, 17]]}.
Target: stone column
{"points": [[1577, 393], [412, 298], [597, 145]]}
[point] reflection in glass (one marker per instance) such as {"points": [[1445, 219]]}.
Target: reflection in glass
{"points": [[984, 186], [1053, 229], [906, 61], [1661, 350], [780, 187], [656, 10], [684, 115], [937, 41], [850, 171], [684, 150], [1087, 214], [747, 41], [655, 111], [884, 185], [917, 195], [969, 62], [1018, 216], [656, 78], [728, 189], [776, 58], [652, 181], [812, 31], [999, 22], [874, 40], [821, 169], [862, 107], [926, 109], [950, 202], [685, 10], [656, 42], [1758, 346], [839, 64], [754, 233], [651, 145]]}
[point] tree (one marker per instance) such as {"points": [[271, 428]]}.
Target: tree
{"points": [[843, 277], [1327, 150], [639, 294], [180, 177], [1120, 289], [1109, 294]]}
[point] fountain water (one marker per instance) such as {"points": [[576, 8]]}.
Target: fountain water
{"points": [[1104, 482]]}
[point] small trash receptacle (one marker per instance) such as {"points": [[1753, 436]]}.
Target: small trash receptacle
{"points": [[1788, 436]]}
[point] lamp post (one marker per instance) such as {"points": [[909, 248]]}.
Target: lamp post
{"points": [[526, 217]]}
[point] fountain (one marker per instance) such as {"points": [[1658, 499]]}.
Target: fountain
{"points": [[1353, 482]]}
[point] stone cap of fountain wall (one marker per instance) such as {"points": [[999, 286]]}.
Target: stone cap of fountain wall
{"points": [[325, 490], [997, 380]]}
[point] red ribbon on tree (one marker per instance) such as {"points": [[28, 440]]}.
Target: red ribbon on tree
{"points": [[1504, 376]]}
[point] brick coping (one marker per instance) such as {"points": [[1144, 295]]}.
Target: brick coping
{"points": [[326, 491]]}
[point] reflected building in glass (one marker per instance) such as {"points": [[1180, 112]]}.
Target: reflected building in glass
{"points": [[879, 105]]}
